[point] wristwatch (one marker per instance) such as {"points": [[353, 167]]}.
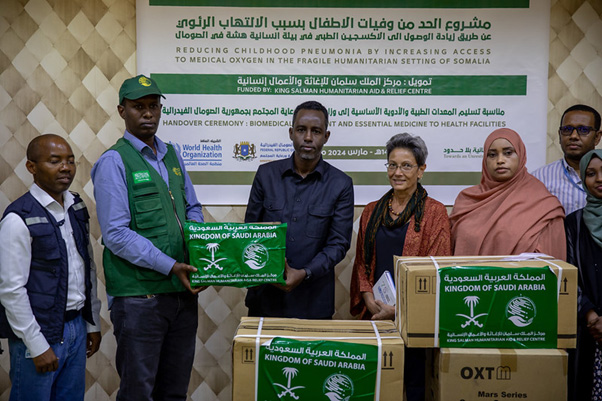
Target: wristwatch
{"points": [[307, 274]]}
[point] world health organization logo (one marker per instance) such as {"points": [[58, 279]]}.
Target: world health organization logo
{"points": [[244, 151], [176, 146]]}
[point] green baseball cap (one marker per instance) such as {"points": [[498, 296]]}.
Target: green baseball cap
{"points": [[137, 87]]}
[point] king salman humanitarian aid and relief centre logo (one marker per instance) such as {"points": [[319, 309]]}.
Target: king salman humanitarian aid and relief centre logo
{"points": [[338, 387], [521, 311], [255, 256]]}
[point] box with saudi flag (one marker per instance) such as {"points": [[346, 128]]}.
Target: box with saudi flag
{"points": [[294, 359], [523, 301]]}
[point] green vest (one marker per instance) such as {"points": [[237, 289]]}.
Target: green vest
{"points": [[153, 215]]}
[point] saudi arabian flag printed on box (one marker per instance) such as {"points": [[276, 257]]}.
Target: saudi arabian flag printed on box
{"points": [[316, 370], [236, 254], [496, 307]]}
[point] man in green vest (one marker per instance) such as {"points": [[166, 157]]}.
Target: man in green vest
{"points": [[143, 196]]}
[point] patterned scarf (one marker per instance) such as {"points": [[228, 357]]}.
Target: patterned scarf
{"points": [[380, 216]]}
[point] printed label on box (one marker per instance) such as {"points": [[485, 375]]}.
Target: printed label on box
{"points": [[312, 370], [422, 285], [235, 254], [491, 307]]}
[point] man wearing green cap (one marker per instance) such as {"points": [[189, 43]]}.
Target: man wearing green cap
{"points": [[143, 196]]}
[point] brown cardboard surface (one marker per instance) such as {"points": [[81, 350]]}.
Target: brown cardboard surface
{"points": [[246, 341], [497, 374], [416, 280]]}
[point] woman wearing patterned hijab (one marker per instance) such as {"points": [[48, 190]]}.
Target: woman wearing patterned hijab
{"points": [[584, 250], [510, 211]]}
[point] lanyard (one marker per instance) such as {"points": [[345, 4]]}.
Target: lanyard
{"points": [[568, 177]]}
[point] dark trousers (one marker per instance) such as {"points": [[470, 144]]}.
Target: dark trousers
{"points": [[414, 373], [155, 345]]}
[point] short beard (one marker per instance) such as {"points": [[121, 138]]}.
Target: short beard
{"points": [[574, 157], [308, 156]]}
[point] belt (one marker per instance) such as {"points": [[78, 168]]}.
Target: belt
{"points": [[163, 294], [71, 314]]}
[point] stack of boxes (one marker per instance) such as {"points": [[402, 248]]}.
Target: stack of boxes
{"points": [[489, 336], [495, 328]]}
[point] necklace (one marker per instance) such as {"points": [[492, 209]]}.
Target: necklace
{"points": [[393, 212]]}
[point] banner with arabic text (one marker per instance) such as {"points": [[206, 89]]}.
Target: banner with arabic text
{"points": [[450, 71]]}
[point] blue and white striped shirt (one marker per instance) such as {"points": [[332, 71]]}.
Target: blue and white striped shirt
{"points": [[563, 182]]}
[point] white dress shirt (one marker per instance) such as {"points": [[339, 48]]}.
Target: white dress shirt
{"points": [[15, 261]]}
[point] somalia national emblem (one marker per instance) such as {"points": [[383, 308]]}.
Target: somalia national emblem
{"points": [[244, 151]]}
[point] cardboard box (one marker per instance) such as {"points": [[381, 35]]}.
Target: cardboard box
{"points": [[236, 254], [417, 303], [252, 332], [497, 374]]}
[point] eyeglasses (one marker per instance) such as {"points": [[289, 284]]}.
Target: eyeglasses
{"points": [[582, 130], [407, 167]]}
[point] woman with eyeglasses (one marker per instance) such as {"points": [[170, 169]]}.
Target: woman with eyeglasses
{"points": [[404, 221], [510, 211], [584, 250]]}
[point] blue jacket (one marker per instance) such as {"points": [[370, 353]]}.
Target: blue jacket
{"points": [[48, 277]]}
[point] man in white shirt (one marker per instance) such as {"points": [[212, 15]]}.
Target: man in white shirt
{"points": [[579, 133], [49, 310]]}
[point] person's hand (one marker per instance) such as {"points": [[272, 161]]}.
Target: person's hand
{"points": [[371, 304], [293, 278], [92, 343], [182, 271], [386, 312], [594, 324], [595, 328], [46, 362]]}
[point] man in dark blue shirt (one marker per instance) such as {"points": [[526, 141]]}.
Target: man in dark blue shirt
{"points": [[316, 201]]}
